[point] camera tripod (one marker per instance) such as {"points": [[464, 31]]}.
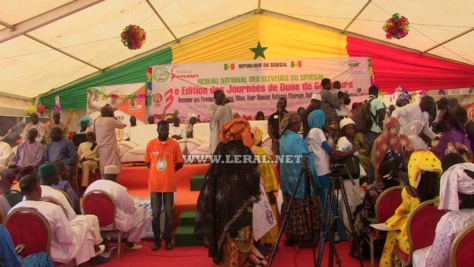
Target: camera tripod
{"points": [[309, 182], [327, 225]]}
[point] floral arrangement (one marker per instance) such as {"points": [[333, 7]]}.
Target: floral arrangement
{"points": [[133, 37], [397, 27]]}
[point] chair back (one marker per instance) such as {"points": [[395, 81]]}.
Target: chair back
{"points": [[462, 248], [37, 237], [57, 202], [100, 204], [421, 225], [67, 196], [14, 197], [387, 203]]}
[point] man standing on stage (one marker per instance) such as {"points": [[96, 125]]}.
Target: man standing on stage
{"points": [[163, 158], [220, 113], [104, 128], [274, 125]]}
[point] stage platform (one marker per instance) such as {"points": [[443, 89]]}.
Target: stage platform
{"points": [[135, 178]]}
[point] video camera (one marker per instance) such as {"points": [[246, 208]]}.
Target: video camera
{"points": [[345, 96]]}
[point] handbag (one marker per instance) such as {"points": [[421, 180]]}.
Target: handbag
{"points": [[351, 166]]}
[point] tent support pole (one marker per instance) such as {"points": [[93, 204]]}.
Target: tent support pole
{"points": [[162, 20], [449, 40], [45, 18], [356, 16]]}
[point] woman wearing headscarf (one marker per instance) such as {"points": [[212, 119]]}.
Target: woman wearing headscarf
{"points": [[456, 195], [297, 227], [403, 99], [224, 207], [346, 148], [390, 140], [85, 124], [268, 177], [424, 170], [365, 212], [453, 133], [317, 143]]}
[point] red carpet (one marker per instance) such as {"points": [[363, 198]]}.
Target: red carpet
{"points": [[135, 178], [197, 257]]}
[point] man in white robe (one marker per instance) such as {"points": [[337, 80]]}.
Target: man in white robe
{"points": [[35, 123], [70, 240], [128, 218], [49, 175], [220, 114], [177, 130], [104, 128], [415, 111], [5, 155]]}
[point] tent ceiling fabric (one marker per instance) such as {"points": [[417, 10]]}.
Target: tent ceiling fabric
{"points": [[86, 41]]}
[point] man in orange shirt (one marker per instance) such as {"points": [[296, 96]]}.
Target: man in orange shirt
{"points": [[163, 159]]}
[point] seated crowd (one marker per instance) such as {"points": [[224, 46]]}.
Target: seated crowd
{"points": [[424, 147]]}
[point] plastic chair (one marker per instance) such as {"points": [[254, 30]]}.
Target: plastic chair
{"points": [[14, 197], [385, 207], [38, 236], [462, 247], [102, 205], [421, 229]]}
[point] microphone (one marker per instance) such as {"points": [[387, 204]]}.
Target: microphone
{"points": [[229, 100]]}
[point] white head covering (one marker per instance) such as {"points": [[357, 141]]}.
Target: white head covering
{"points": [[110, 169], [455, 180], [316, 97], [345, 121]]}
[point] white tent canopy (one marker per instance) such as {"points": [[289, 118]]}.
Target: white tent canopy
{"points": [[48, 44]]}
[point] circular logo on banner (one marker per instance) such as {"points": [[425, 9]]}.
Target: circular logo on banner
{"points": [[161, 74], [157, 98]]}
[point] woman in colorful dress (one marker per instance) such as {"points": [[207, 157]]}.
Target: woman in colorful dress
{"points": [[424, 170], [85, 124], [390, 140], [454, 134], [224, 207], [267, 175], [297, 227]]}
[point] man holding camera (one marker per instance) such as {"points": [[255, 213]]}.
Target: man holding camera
{"points": [[330, 103], [104, 127], [220, 113]]}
